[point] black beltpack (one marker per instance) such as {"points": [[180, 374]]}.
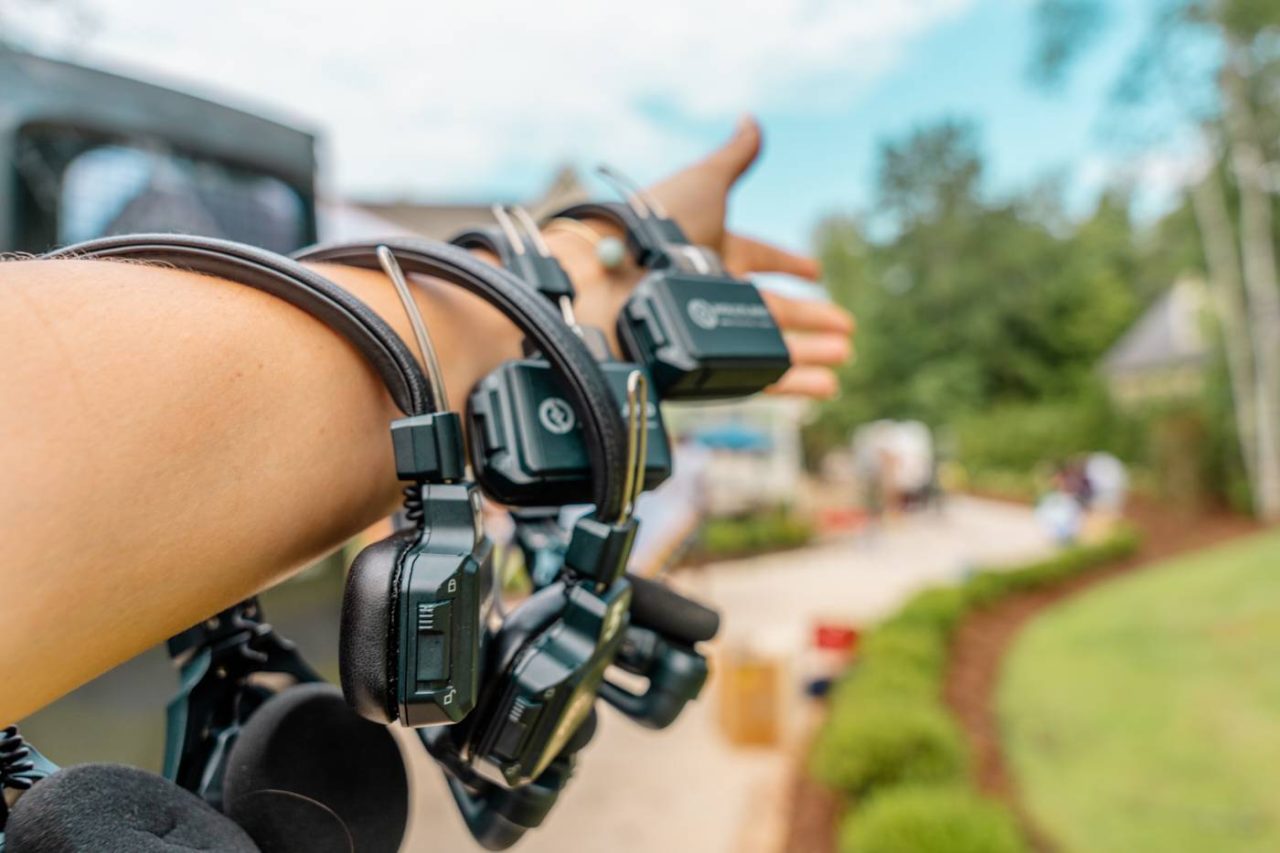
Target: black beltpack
{"points": [[527, 444], [701, 333]]}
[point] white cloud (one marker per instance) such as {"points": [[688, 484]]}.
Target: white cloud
{"points": [[446, 95], [1157, 177]]}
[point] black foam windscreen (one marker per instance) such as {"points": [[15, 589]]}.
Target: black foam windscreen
{"points": [[110, 808], [660, 608], [304, 752], [272, 818]]}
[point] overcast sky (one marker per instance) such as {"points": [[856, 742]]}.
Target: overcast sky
{"points": [[468, 99]]}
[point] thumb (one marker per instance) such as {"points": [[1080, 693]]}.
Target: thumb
{"points": [[736, 156]]}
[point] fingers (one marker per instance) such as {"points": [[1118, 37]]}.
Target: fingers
{"points": [[743, 256], [808, 315], [736, 156], [817, 383], [825, 349]]}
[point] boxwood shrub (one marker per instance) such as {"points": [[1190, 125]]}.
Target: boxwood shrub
{"points": [[919, 819], [874, 745], [888, 733]]}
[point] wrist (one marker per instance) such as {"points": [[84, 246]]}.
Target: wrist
{"points": [[600, 291]]}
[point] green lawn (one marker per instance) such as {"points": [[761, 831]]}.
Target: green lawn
{"points": [[1145, 714]]}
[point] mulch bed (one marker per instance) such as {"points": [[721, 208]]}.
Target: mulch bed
{"points": [[977, 650], [979, 645]]}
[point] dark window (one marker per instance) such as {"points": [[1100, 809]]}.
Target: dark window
{"points": [[83, 189]]}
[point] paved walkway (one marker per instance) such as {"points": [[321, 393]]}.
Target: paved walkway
{"points": [[687, 789]]}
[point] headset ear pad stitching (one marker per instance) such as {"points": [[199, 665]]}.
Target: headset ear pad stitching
{"points": [[110, 808], [366, 647], [307, 775]]}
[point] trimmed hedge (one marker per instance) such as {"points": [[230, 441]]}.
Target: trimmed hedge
{"points": [[888, 731], [920, 819], [881, 744], [758, 533]]}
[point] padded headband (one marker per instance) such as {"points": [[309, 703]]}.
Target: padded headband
{"points": [[647, 238], [605, 435], [524, 260], [490, 239], [285, 279]]}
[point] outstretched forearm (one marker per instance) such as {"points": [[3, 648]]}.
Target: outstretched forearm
{"points": [[171, 443]]}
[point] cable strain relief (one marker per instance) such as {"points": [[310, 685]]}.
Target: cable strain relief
{"points": [[429, 448]]}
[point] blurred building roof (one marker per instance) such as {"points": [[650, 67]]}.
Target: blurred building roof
{"points": [[439, 220], [1164, 352], [1170, 332]]}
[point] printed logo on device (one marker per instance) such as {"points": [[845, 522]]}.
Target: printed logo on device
{"points": [[556, 416], [727, 315]]}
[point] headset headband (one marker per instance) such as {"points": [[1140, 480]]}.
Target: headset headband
{"points": [[288, 280], [650, 239], [606, 440]]}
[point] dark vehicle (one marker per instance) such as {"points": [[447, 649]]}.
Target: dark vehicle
{"points": [[85, 154]]}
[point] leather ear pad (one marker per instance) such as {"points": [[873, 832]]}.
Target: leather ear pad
{"points": [[524, 623], [366, 644], [307, 774], [110, 808]]}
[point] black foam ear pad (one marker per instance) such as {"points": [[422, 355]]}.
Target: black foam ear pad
{"points": [[656, 606], [304, 753], [109, 808], [366, 641], [273, 820]]}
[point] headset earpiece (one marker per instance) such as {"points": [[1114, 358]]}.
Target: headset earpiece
{"points": [[701, 334], [110, 808], [524, 623], [527, 443], [307, 774], [365, 633], [661, 646]]}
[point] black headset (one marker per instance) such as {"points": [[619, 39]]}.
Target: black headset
{"points": [[701, 333], [501, 418], [543, 664], [282, 781], [526, 445]]}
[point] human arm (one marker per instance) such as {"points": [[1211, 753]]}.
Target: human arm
{"points": [[171, 443]]}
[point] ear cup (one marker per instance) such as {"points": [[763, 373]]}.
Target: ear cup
{"points": [[366, 641], [110, 808], [304, 754], [526, 622], [284, 821]]}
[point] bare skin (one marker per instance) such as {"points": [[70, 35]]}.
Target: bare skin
{"points": [[171, 443]]}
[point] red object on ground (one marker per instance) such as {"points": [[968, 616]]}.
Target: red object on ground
{"points": [[836, 637], [841, 519]]}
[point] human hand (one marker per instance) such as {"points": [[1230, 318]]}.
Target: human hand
{"points": [[818, 333]]}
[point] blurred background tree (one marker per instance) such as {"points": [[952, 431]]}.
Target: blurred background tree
{"points": [[988, 318], [1217, 62]]}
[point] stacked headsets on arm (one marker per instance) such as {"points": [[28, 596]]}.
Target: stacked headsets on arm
{"points": [[261, 754]]}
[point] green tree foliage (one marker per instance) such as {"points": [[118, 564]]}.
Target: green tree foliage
{"points": [[1212, 67], [969, 302]]}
